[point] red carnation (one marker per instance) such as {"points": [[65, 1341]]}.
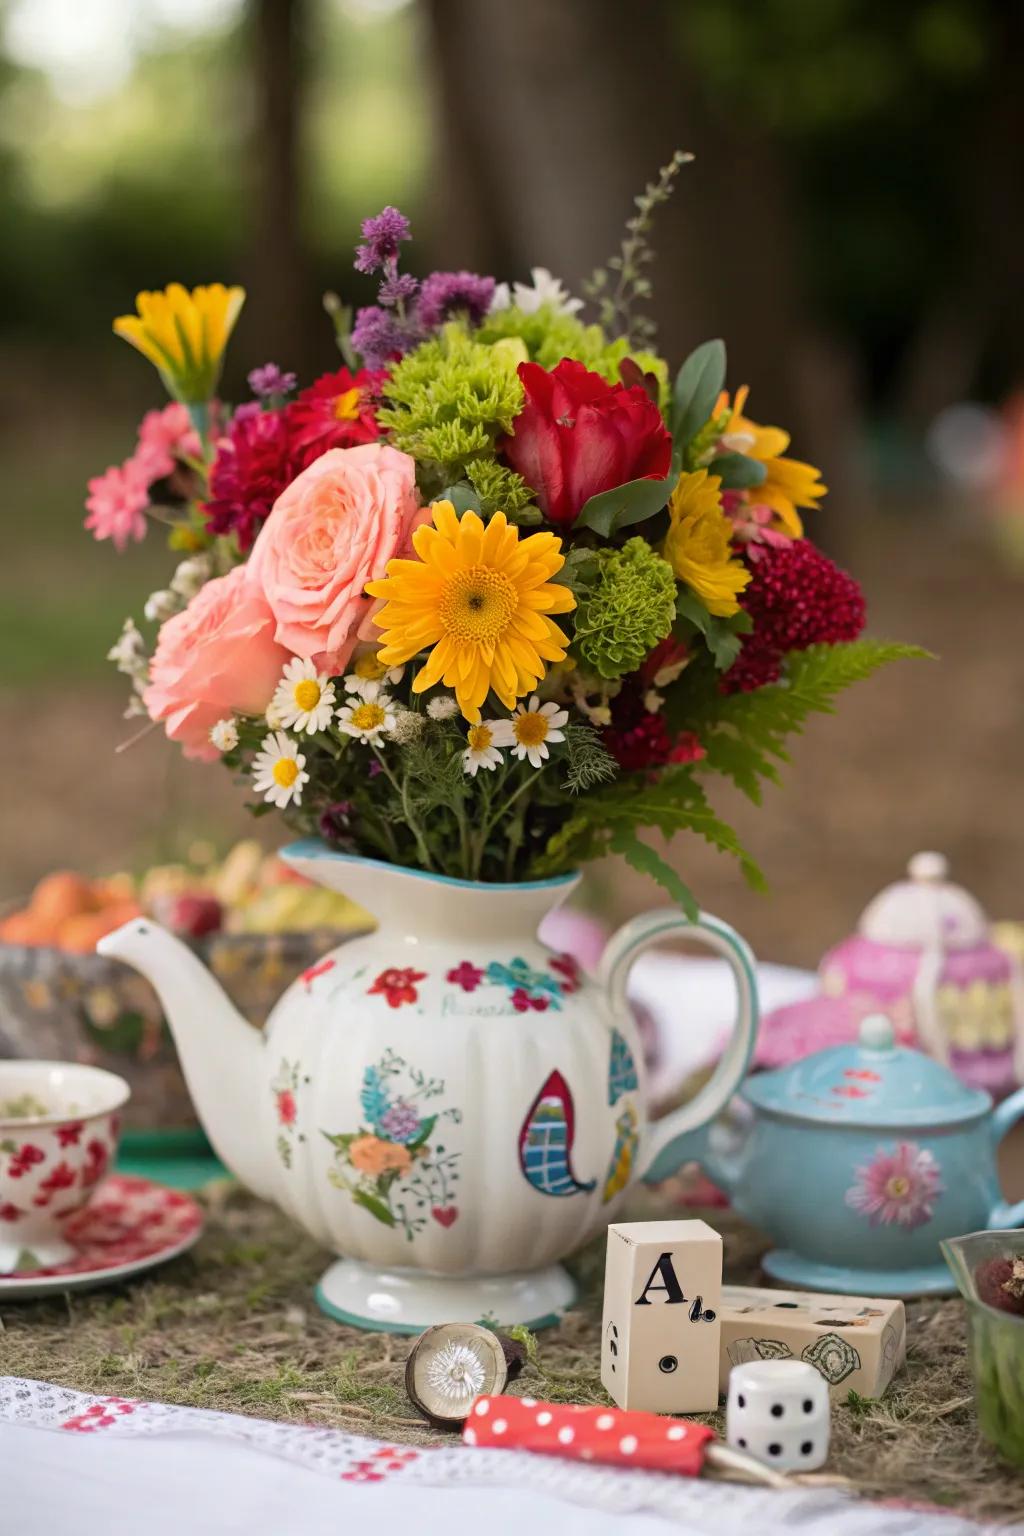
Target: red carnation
{"points": [[639, 740], [255, 460], [577, 436], [336, 412], [797, 597]]}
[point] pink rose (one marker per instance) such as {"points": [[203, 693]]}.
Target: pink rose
{"points": [[330, 532], [215, 658]]}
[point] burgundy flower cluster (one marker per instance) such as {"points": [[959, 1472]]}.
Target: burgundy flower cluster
{"points": [[263, 450], [797, 597]]}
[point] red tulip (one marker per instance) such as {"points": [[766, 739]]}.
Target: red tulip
{"points": [[577, 436]]}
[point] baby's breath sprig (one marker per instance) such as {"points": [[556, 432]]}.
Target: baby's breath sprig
{"points": [[616, 287]]}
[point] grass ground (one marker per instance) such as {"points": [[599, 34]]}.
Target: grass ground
{"points": [[233, 1326]]}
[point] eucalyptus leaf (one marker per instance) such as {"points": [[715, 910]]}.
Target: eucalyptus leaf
{"points": [[462, 497], [698, 384], [723, 636], [624, 505], [739, 472]]}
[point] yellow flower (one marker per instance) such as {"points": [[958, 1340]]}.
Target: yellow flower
{"points": [[698, 544], [184, 335], [788, 483], [479, 599]]}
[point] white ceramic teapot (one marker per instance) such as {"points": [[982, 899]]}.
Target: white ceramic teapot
{"points": [[444, 1102]]}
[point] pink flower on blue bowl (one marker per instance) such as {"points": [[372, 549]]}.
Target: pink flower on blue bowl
{"points": [[899, 1187]]}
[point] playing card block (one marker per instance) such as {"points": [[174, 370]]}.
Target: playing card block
{"points": [[660, 1332], [856, 1343]]}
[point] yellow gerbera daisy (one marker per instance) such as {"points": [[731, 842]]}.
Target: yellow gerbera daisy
{"points": [[479, 599], [184, 335], [698, 545], [788, 483]]}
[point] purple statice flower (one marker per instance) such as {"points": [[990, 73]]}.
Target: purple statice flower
{"points": [[396, 289], [379, 336], [444, 294], [382, 235], [269, 380]]}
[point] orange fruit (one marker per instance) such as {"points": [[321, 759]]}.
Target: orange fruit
{"points": [[61, 895], [81, 933], [24, 928]]}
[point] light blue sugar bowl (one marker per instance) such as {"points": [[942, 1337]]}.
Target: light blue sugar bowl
{"points": [[857, 1162]]}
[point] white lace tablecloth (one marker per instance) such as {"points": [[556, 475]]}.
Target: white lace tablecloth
{"points": [[115, 1467]]}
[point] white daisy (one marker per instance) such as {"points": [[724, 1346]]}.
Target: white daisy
{"points": [[278, 770], [545, 289], [224, 734], [304, 699], [530, 729], [442, 707], [368, 717], [456, 1373], [367, 669], [481, 751]]}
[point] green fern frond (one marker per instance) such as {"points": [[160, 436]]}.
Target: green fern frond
{"points": [[744, 735]]}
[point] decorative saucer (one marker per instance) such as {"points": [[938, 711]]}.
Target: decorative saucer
{"points": [[129, 1225]]}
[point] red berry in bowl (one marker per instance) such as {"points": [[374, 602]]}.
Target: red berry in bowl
{"points": [[1000, 1283]]}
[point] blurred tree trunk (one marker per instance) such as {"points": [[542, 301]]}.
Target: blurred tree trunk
{"points": [[279, 280], [982, 316], [544, 146]]}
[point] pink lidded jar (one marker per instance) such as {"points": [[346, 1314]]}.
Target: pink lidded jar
{"points": [[924, 954]]}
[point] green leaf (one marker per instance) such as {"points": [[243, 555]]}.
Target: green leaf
{"points": [[461, 495], [624, 505], [722, 635], [738, 471], [423, 1134], [698, 384], [643, 858], [375, 1207], [341, 1141]]}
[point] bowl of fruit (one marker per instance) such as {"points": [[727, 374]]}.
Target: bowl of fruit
{"points": [[252, 920], [988, 1268]]}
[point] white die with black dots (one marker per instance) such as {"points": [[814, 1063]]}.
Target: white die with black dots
{"points": [[779, 1411]]}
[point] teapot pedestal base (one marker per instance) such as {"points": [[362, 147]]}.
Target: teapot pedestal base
{"points": [[804, 1274], [409, 1300]]}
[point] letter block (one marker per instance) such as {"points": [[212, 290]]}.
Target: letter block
{"points": [[661, 1329]]}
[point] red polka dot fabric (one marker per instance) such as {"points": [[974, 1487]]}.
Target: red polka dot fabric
{"points": [[609, 1436]]}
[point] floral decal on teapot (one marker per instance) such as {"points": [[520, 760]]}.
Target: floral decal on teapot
{"points": [[285, 1089], [899, 1187], [395, 1166], [397, 985]]}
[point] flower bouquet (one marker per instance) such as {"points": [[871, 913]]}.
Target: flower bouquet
{"points": [[496, 596]]}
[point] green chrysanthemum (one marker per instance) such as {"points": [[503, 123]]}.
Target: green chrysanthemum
{"points": [[448, 401], [627, 607], [549, 336]]}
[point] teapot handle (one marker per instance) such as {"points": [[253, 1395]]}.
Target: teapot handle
{"points": [[1004, 1118], [672, 1140]]}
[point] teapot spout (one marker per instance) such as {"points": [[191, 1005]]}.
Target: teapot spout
{"points": [[221, 1054]]}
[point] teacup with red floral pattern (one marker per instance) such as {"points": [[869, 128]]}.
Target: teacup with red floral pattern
{"points": [[59, 1124]]}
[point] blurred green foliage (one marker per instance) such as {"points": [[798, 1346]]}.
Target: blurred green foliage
{"points": [[150, 183]]}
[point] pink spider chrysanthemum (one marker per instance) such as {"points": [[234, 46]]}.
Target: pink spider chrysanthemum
{"points": [[899, 1187]]}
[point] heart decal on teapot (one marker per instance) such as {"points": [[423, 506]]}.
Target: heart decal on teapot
{"points": [[445, 1215]]}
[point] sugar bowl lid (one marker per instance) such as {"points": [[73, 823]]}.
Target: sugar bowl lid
{"points": [[874, 1082], [925, 911]]}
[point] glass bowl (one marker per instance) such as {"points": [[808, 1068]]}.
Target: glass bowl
{"points": [[996, 1341]]}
